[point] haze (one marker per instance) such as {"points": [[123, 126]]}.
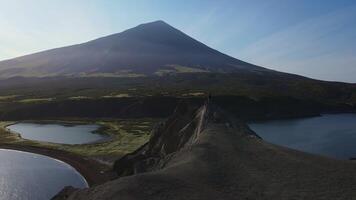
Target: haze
{"points": [[311, 38]]}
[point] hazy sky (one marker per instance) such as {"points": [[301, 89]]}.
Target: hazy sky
{"points": [[315, 38]]}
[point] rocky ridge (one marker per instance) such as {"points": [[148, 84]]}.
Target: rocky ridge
{"points": [[203, 153]]}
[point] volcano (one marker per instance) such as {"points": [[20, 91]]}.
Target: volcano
{"points": [[154, 48]]}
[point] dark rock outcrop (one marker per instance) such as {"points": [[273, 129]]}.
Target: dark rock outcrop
{"points": [[180, 129]]}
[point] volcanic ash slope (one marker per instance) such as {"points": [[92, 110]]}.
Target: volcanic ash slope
{"points": [[204, 154]]}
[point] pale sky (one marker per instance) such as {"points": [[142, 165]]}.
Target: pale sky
{"points": [[314, 38]]}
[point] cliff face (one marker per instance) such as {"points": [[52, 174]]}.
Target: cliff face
{"points": [[205, 154], [180, 130]]}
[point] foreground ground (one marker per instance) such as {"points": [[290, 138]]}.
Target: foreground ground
{"points": [[192, 156], [209, 155]]}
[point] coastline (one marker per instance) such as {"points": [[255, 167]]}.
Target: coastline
{"points": [[93, 172], [86, 159]]}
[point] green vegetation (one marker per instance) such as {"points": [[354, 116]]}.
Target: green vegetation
{"points": [[6, 136], [195, 94], [79, 97], [178, 69], [35, 100], [116, 95], [126, 135], [119, 74], [163, 72], [178, 85], [8, 97], [184, 69]]}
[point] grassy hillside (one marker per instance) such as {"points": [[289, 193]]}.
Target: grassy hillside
{"points": [[266, 96], [178, 85]]}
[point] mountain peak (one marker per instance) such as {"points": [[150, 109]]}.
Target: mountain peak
{"points": [[157, 22], [158, 26]]}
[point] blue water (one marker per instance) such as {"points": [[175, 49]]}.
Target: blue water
{"points": [[329, 135], [28, 176], [57, 133]]}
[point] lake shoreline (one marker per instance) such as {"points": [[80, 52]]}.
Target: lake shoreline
{"points": [[330, 135], [100, 130], [87, 159], [93, 172]]}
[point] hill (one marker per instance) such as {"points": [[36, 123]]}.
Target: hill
{"points": [[206, 154]]}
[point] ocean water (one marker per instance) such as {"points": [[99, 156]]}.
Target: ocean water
{"points": [[28, 176], [331, 135]]}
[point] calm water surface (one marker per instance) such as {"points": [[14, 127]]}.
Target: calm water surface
{"points": [[28, 176], [57, 133], [328, 135]]}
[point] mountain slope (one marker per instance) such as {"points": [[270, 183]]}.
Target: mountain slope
{"points": [[150, 48]]}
